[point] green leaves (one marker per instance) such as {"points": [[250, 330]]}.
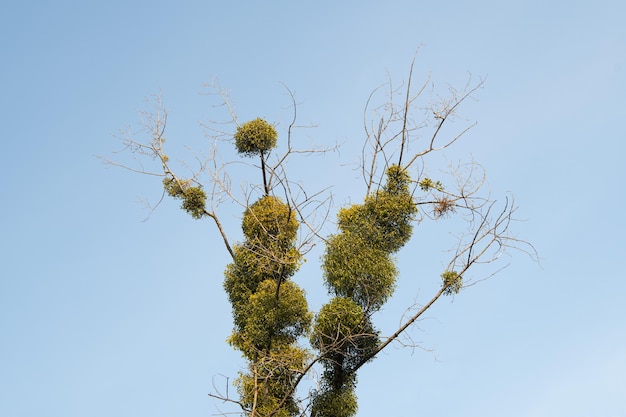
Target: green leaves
{"points": [[356, 269], [272, 316], [194, 198], [269, 380], [334, 403], [254, 137], [270, 228], [384, 219], [270, 311], [343, 333], [360, 271], [270, 221], [427, 184], [357, 263], [338, 321], [452, 282]]}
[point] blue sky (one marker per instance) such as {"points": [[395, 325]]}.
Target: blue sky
{"points": [[102, 314]]}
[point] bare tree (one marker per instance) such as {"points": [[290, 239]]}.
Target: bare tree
{"points": [[403, 127]]}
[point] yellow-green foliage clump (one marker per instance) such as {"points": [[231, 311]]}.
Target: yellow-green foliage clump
{"points": [[385, 218], [254, 137], [270, 311], [334, 403], [452, 282], [270, 221], [358, 262], [253, 264], [275, 375], [193, 198], [355, 269], [343, 333], [268, 253], [427, 184], [272, 316], [360, 271]]}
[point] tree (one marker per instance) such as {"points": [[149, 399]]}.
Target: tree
{"points": [[282, 220]]}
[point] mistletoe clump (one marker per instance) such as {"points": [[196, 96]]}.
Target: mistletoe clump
{"points": [[255, 137], [270, 311], [360, 273], [452, 282], [193, 198]]}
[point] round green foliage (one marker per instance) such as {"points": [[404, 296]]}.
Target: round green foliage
{"points": [[274, 318], [395, 209], [266, 258], [355, 269], [240, 283], [385, 218], [174, 187], [251, 266], [269, 395], [334, 403], [194, 198], [270, 220], [343, 333], [346, 338], [359, 270], [254, 137], [426, 184], [397, 180], [452, 282], [276, 374], [339, 319], [247, 269], [194, 202]]}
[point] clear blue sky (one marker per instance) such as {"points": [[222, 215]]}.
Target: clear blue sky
{"points": [[104, 315]]}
